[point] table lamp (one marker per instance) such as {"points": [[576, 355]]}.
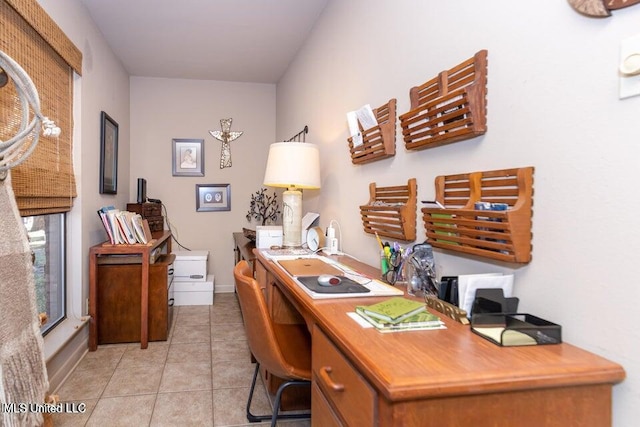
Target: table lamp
{"points": [[294, 166]]}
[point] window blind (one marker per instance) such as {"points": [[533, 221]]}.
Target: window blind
{"points": [[45, 182]]}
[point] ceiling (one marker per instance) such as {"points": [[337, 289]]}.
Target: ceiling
{"points": [[228, 40]]}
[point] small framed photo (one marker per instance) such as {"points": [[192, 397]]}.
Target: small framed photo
{"points": [[213, 197], [108, 155], [188, 157]]}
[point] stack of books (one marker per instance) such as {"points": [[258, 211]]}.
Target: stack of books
{"points": [[400, 314], [124, 227]]}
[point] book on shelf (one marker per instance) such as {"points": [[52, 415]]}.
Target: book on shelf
{"points": [[124, 227], [418, 321], [138, 226], [393, 310]]}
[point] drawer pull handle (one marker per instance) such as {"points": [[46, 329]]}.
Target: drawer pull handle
{"points": [[196, 276], [171, 302], [324, 375]]}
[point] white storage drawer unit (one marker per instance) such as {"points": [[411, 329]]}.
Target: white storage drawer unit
{"points": [[190, 266], [194, 293]]}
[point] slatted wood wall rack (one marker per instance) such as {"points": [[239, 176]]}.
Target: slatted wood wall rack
{"points": [[448, 108], [501, 235], [379, 142], [391, 211]]}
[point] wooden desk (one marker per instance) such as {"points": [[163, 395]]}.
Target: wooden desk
{"points": [[448, 377], [243, 248], [159, 239]]}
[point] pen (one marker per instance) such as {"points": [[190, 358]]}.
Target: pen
{"points": [[379, 241]]}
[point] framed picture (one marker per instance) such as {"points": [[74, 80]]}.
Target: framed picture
{"points": [[108, 154], [188, 157], [213, 197]]}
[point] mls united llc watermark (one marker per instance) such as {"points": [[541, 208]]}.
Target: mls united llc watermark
{"points": [[45, 408]]}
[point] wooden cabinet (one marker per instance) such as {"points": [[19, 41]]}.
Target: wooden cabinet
{"points": [[119, 294], [152, 212], [160, 242]]}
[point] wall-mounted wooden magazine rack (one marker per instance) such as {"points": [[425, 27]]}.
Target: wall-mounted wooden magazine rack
{"points": [[378, 142], [503, 235], [448, 108], [391, 211]]}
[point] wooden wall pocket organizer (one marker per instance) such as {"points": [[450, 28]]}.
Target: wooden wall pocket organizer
{"points": [[378, 142], [391, 211], [503, 235], [448, 108]]}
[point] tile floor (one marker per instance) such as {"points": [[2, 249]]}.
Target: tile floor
{"points": [[199, 377]]}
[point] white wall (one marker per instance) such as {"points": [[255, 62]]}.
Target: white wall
{"points": [[163, 109], [552, 103]]}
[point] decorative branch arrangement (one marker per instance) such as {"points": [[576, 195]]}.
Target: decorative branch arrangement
{"points": [[263, 207]]}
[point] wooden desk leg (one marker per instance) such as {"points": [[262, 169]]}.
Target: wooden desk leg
{"points": [[144, 302], [93, 303]]}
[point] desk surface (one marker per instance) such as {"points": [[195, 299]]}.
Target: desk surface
{"points": [[449, 362]]}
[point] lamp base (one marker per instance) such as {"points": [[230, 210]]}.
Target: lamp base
{"points": [[292, 218]]}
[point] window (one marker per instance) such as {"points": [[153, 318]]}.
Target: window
{"points": [[47, 242]]}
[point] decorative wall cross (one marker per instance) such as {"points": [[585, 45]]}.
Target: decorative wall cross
{"points": [[226, 136], [600, 8]]}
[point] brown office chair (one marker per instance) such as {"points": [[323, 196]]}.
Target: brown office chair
{"points": [[276, 347]]}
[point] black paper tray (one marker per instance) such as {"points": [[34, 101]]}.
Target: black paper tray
{"points": [[515, 329]]}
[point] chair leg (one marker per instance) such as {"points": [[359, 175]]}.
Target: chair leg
{"points": [[276, 404], [253, 418], [275, 416]]}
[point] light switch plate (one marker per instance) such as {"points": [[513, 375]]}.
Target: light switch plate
{"points": [[629, 85]]}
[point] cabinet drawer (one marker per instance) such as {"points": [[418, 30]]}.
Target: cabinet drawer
{"points": [[145, 209], [321, 412], [345, 389]]}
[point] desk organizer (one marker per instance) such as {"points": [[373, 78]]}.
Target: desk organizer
{"points": [[391, 211], [504, 235], [449, 310], [448, 108], [378, 142], [509, 330]]}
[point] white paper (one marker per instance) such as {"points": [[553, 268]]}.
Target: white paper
{"points": [[367, 120], [352, 120], [366, 117], [475, 282]]}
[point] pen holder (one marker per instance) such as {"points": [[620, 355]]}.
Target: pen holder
{"points": [[384, 265], [391, 267]]}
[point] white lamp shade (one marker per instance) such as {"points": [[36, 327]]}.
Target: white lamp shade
{"points": [[293, 165]]}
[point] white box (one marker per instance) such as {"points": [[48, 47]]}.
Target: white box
{"points": [[190, 266], [268, 235], [194, 293]]}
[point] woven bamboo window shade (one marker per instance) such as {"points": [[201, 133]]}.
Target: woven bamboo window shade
{"points": [[45, 182]]}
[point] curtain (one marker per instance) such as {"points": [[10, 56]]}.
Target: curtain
{"points": [[45, 182]]}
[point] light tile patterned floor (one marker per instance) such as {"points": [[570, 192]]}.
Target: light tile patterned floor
{"points": [[199, 377]]}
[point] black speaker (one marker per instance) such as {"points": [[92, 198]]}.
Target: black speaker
{"points": [[142, 190]]}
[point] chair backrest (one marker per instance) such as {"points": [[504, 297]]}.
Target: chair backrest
{"points": [[261, 335]]}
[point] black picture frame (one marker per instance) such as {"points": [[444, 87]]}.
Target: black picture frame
{"points": [[213, 197], [187, 157], [108, 154]]}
